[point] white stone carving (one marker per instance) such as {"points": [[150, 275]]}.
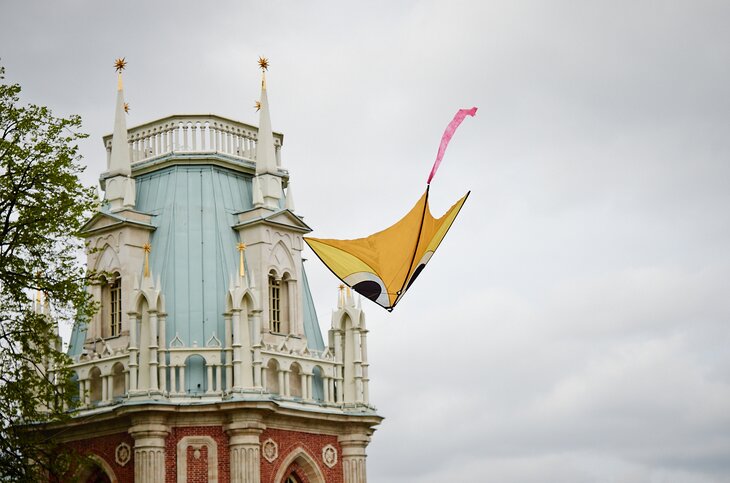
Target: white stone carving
{"points": [[123, 454], [329, 455], [270, 450]]}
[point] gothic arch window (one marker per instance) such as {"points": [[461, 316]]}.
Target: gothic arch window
{"points": [[111, 305], [281, 294], [274, 303]]}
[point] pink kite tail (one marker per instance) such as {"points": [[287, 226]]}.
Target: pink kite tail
{"points": [[448, 134]]}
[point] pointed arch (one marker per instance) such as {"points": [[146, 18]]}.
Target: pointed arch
{"points": [[305, 462], [94, 467], [281, 258], [108, 261], [237, 298], [342, 322], [141, 297]]}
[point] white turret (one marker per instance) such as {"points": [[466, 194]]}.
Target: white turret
{"points": [[348, 339]]}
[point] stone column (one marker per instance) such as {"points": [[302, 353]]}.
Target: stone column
{"points": [[228, 348], [353, 457], [257, 369], [132, 318], [149, 435], [162, 351], [236, 330], [291, 289], [153, 350], [245, 447], [246, 356]]}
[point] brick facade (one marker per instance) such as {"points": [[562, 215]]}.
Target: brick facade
{"points": [[289, 441], [104, 447]]}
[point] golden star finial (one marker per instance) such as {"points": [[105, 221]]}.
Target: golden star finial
{"points": [[241, 246], [341, 286], [120, 64], [147, 247], [126, 107], [257, 105], [263, 63]]}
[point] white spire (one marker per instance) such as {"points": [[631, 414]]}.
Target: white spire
{"points": [[119, 162], [269, 181], [119, 186], [265, 151]]}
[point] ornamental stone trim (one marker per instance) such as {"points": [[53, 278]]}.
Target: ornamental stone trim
{"points": [[329, 456], [123, 454], [270, 450]]}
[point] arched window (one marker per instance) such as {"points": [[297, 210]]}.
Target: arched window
{"points": [[295, 380], [95, 385], [196, 375], [272, 377], [118, 383], [111, 306], [274, 303], [317, 384]]}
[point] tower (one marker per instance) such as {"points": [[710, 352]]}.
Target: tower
{"points": [[205, 361]]}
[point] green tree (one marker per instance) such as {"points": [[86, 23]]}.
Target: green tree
{"points": [[42, 207]]}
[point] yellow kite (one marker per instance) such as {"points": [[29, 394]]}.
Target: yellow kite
{"points": [[384, 265]]}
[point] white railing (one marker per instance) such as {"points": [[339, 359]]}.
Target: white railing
{"points": [[193, 134], [104, 379]]}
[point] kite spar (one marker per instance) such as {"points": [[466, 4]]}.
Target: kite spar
{"points": [[384, 265]]}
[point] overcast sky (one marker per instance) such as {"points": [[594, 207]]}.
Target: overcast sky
{"points": [[573, 326]]}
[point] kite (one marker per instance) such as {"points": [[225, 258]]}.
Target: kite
{"points": [[384, 265]]}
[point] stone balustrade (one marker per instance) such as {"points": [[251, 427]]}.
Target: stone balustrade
{"points": [[193, 134], [104, 377]]}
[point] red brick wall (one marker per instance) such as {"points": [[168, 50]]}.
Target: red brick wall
{"points": [[104, 447], [197, 469], [289, 441]]}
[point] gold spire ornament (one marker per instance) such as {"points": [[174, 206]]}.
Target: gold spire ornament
{"points": [[120, 64], [257, 105], [126, 107], [147, 249], [264, 65], [241, 248]]}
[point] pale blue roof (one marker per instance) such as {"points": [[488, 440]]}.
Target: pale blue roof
{"points": [[194, 249]]}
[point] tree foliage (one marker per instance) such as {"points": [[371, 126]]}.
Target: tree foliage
{"points": [[42, 206]]}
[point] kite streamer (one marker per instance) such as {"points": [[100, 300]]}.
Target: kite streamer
{"points": [[448, 134]]}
